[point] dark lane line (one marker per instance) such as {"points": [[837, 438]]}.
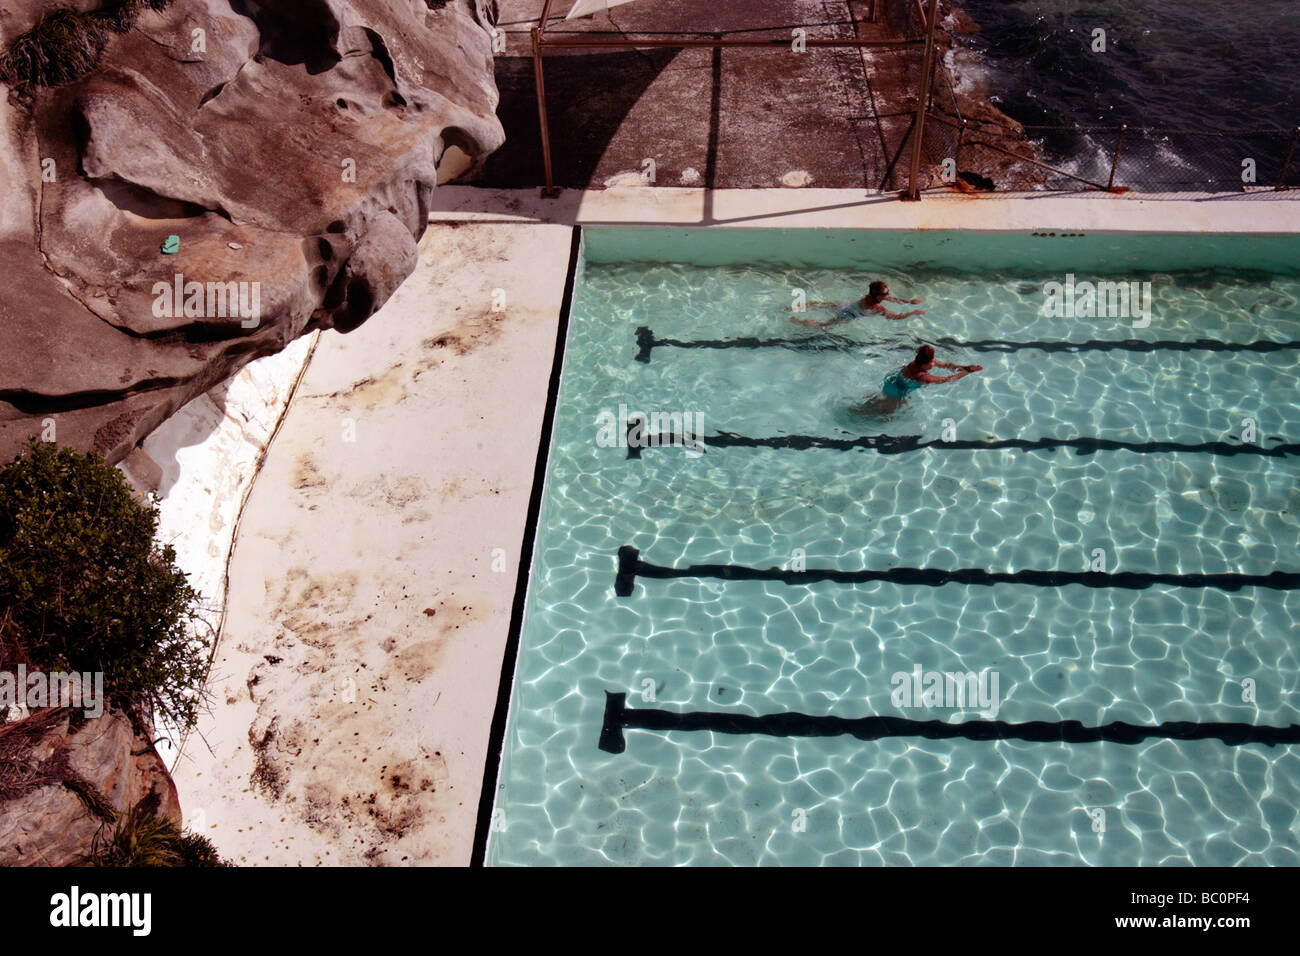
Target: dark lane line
{"points": [[619, 717], [830, 341], [900, 444], [630, 567]]}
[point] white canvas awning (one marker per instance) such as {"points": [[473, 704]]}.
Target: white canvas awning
{"points": [[585, 7]]}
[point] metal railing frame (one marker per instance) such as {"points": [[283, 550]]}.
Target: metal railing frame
{"points": [[541, 42], [928, 19]]}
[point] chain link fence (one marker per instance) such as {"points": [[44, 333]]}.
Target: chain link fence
{"points": [[970, 146], [1120, 158]]}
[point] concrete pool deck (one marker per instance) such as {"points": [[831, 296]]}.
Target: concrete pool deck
{"points": [[373, 574], [811, 208]]}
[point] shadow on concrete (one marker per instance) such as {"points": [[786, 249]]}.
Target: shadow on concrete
{"points": [[154, 464], [589, 96], [467, 203]]}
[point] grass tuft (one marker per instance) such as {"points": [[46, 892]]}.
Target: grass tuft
{"points": [[143, 839], [67, 44]]}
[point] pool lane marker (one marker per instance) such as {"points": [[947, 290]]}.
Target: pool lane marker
{"points": [[827, 341], [630, 567], [620, 717], [637, 441]]}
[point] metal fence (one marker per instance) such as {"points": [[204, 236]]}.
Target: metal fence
{"points": [[1144, 159], [964, 143], [542, 41]]}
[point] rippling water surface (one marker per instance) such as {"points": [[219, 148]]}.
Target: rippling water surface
{"points": [[1093, 655], [1170, 64]]}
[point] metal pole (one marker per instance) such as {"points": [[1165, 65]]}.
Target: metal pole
{"points": [[918, 127], [1110, 183], [1286, 163], [549, 191], [934, 87]]}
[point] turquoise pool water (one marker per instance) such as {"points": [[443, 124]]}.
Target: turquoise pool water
{"points": [[1176, 494]]}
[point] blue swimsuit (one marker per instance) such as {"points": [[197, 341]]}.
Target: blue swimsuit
{"points": [[850, 310], [897, 385]]}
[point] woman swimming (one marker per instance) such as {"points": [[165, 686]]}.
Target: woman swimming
{"points": [[898, 385], [877, 293], [917, 373]]}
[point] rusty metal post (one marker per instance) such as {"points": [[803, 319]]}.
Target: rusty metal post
{"points": [[918, 127], [544, 127], [1110, 183], [934, 86], [1286, 163]]}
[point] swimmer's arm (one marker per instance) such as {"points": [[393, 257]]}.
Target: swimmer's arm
{"points": [[890, 298], [962, 372], [898, 315]]}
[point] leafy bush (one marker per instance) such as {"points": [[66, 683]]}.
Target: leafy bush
{"points": [[142, 839], [86, 588]]}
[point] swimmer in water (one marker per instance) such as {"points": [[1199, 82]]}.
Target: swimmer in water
{"points": [[877, 294], [916, 373]]}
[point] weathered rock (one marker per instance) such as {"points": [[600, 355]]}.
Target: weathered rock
{"points": [[291, 145], [66, 778]]}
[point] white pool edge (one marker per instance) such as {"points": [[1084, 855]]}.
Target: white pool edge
{"points": [[1235, 213]]}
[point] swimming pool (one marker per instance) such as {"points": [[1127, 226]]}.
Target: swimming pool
{"points": [[736, 653]]}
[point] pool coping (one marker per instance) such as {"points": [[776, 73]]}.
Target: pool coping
{"points": [[1233, 213], [510, 659]]}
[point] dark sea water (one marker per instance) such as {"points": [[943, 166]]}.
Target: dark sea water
{"points": [[1224, 65]]}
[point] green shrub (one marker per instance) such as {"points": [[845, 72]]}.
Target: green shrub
{"points": [[197, 850], [142, 839], [86, 588]]}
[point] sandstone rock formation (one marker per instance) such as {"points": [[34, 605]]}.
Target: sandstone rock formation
{"points": [[66, 778], [291, 145]]}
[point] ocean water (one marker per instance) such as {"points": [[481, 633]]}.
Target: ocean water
{"points": [[1170, 64], [733, 646]]}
